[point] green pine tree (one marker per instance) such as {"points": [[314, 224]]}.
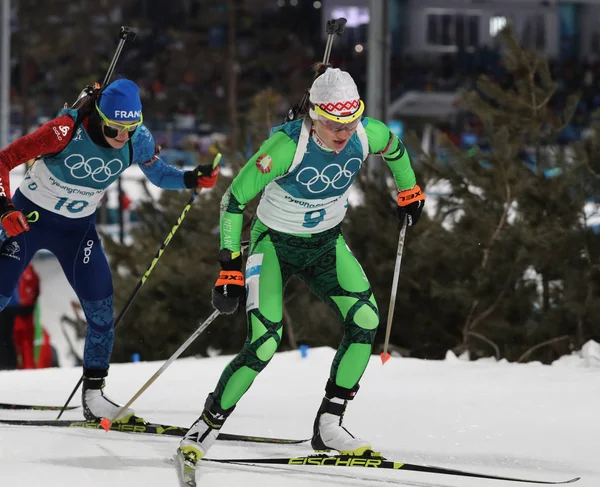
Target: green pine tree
{"points": [[503, 265]]}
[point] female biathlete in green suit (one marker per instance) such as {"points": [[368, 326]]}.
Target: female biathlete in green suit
{"points": [[306, 169]]}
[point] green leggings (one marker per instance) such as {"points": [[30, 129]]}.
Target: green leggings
{"points": [[326, 264]]}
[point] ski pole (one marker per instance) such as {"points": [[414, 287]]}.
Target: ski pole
{"points": [[385, 356], [144, 278], [106, 423]]}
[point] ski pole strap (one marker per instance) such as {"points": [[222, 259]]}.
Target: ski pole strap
{"points": [[33, 217]]}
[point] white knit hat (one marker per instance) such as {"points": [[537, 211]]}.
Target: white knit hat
{"points": [[335, 92]]}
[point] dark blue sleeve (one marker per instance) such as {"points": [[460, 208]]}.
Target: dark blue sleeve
{"points": [[154, 168], [162, 175]]}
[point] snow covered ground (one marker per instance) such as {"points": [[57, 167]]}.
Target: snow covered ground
{"points": [[530, 421]]}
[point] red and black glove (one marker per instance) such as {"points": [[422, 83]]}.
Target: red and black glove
{"points": [[410, 205], [204, 176], [230, 286], [11, 219]]}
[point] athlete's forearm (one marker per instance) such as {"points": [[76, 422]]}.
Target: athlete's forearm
{"points": [[232, 218], [162, 175], [385, 143], [399, 161]]}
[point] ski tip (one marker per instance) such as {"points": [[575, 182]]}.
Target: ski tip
{"points": [[385, 357], [105, 423]]}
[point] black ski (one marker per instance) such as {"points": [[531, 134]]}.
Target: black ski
{"points": [[372, 462], [130, 427], [142, 427], [33, 407]]}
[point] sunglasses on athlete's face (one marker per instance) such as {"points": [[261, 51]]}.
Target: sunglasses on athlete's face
{"points": [[111, 128], [112, 131], [339, 123], [338, 126]]}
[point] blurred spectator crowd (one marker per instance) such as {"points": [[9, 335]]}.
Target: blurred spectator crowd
{"points": [[183, 67]]}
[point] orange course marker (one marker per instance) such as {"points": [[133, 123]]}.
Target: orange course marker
{"points": [[105, 423], [385, 357]]}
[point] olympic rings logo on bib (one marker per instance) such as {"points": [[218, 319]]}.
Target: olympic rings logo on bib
{"points": [[94, 168], [331, 176]]}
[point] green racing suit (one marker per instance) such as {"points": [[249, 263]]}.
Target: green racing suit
{"points": [[296, 232]]}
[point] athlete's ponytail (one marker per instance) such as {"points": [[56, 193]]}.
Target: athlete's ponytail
{"points": [[319, 69], [302, 110]]}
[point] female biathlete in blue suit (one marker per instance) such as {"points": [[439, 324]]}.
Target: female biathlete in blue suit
{"points": [[78, 155]]}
